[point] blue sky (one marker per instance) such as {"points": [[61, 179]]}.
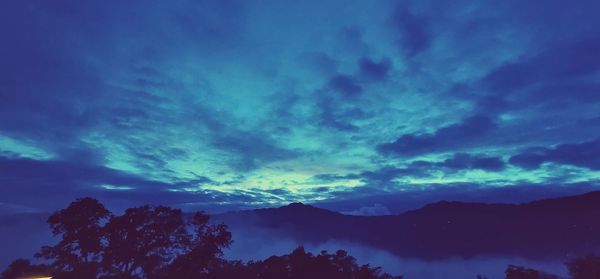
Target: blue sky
{"points": [[235, 104]]}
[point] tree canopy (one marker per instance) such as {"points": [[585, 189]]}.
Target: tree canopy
{"points": [[141, 243], [158, 242]]}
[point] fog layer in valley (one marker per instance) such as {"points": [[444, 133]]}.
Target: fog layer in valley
{"points": [[255, 243]]}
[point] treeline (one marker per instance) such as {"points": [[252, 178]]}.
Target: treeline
{"points": [[157, 242]]}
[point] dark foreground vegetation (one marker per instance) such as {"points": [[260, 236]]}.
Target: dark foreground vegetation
{"points": [[161, 242]]}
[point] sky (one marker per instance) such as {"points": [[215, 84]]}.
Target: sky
{"points": [[359, 105]]}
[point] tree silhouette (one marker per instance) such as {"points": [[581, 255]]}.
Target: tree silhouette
{"points": [[586, 267], [23, 268], [301, 264], [80, 228], [519, 272], [202, 250], [158, 242], [143, 240]]}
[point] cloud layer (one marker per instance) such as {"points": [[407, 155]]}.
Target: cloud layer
{"points": [[222, 103]]}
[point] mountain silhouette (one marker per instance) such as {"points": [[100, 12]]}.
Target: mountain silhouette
{"points": [[551, 228]]}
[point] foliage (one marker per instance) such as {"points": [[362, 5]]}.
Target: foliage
{"points": [[21, 268], [300, 264], [519, 272], [80, 228], [158, 242], [144, 242]]}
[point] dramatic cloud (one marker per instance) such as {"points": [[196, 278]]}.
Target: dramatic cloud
{"points": [[373, 70], [250, 150], [414, 36], [563, 62], [346, 85], [38, 185], [585, 155], [232, 105], [448, 137], [374, 210], [559, 74], [467, 161]]}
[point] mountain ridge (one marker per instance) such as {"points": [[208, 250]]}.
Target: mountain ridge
{"points": [[556, 227], [595, 195]]}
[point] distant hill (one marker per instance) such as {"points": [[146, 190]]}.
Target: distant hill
{"points": [[551, 228]]}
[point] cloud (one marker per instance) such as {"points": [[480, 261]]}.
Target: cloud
{"points": [[385, 175], [20, 171], [251, 94], [448, 137], [345, 85], [466, 161], [44, 185], [584, 154], [373, 70], [70, 73], [40, 80], [559, 73], [558, 94], [414, 33], [332, 115], [250, 150], [323, 63], [374, 210], [328, 177]]}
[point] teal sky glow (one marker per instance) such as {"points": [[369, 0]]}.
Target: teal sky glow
{"points": [[234, 104]]}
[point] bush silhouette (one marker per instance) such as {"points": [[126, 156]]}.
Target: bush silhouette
{"points": [[300, 265], [22, 267]]}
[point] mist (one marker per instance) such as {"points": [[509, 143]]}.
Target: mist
{"points": [[23, 235], [258, 243]]}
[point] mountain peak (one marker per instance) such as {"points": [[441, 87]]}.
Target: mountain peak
{"points": [[297, 205]]}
